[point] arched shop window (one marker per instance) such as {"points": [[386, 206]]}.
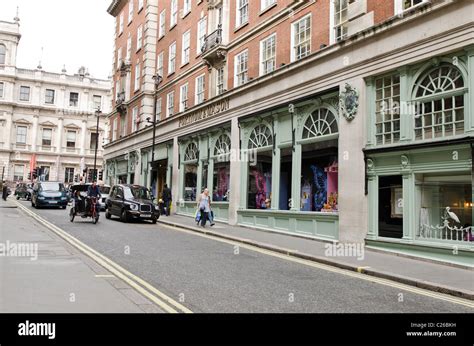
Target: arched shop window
{"points": [[320, 123], [439, 100], [319, 162], [3, 54], [260, 168], [191, 156], [261, 136], [221, 174]]}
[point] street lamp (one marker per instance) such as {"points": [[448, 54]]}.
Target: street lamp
{"points": [[157, 79], [97, 113]]}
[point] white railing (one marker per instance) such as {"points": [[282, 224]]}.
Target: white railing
{"points": [[446, 233], [20, 146]]}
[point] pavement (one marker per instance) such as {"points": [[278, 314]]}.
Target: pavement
{"points": [[209, 274], [423, 274], [51, 276]]}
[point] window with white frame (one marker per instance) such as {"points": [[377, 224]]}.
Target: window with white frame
{"points": [[340, 19], [242, 12], [114, 129], [97, 101], [139, 37], [186, 47], [170, 104], [135, 118], [46, 138], [174, 13], [264, 4], [183, 97], [71, 139], [73, 99], [387, 109], [301, 38], [21, 134], [129, 48], [3, 54], [137, 76], [220, 80], [123, 125], [121, 23], [49, 96], [172, 58], [158, 109], [69, 174], [410, 3], [159, 64], [241, 68], [140, 5], [268, 54], [24, 93], [201, 34], [119, 57], [162, 28], [19, 173], [200, 89], [130, 11], [186, 7], [2, 87]]}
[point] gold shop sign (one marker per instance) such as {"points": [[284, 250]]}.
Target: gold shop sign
{"points": [[205, 112]]}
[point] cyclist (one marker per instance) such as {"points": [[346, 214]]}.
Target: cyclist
{"points": [[94, 191]]}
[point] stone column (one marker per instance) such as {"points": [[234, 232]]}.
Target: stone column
{"points": [[408, 203], [59, 137], [176, 174], [34, 138], [238, 176], [83, 137], [276, 169], [296, 178]]}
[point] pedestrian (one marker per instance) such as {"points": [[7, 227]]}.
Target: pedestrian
{"points": [[167, 199], [4, 191], [204, 206]]}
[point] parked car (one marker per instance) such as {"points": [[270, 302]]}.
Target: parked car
{"points": [[105, 193], [49, 194], [131, 202], [22, 191]]}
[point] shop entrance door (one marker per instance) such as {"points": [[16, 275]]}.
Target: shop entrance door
{"points": [[161, 169], [391, 206]]}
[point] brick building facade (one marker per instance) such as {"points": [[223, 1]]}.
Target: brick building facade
{"points": [[298, 86]]}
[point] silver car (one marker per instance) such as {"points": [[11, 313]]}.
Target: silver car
{"points": [[104, 192]]}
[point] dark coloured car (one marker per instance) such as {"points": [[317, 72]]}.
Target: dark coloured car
{"points": [[49, 194], [131, 202]]}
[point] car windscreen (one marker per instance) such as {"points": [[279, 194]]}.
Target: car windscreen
{"points": [[136, 192], [104, 189], [51, 186]]}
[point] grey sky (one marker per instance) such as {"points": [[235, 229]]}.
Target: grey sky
{"points": [[72, 32]]}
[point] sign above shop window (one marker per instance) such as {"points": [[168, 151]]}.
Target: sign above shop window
{"points": [[205, 112]]}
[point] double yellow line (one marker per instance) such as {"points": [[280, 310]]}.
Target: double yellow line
{"points": [[159, 298]]}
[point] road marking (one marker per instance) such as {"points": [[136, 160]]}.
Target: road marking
{"points": [[360, 269], [162, 300], [358, 275], [104, 276]]}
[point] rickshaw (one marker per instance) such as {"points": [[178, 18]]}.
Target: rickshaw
{"points": [[82, 205]]}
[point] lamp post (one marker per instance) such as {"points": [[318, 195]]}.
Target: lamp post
{"points": [[97, 113], [157, 79]]}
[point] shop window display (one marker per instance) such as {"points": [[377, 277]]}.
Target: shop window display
{"points": [[445, 207], [190, 182], [260, 182], [319, 182], [221, 183], [284, 202], [390, 206]]}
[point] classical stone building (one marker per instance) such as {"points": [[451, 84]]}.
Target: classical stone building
{"points": [[48, 120], [338, 120]]}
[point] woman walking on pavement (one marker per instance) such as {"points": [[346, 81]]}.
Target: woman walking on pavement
{"points": [[204, 205]]}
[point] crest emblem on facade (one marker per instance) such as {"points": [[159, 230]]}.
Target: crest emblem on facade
{"points": [[349, 102]]}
